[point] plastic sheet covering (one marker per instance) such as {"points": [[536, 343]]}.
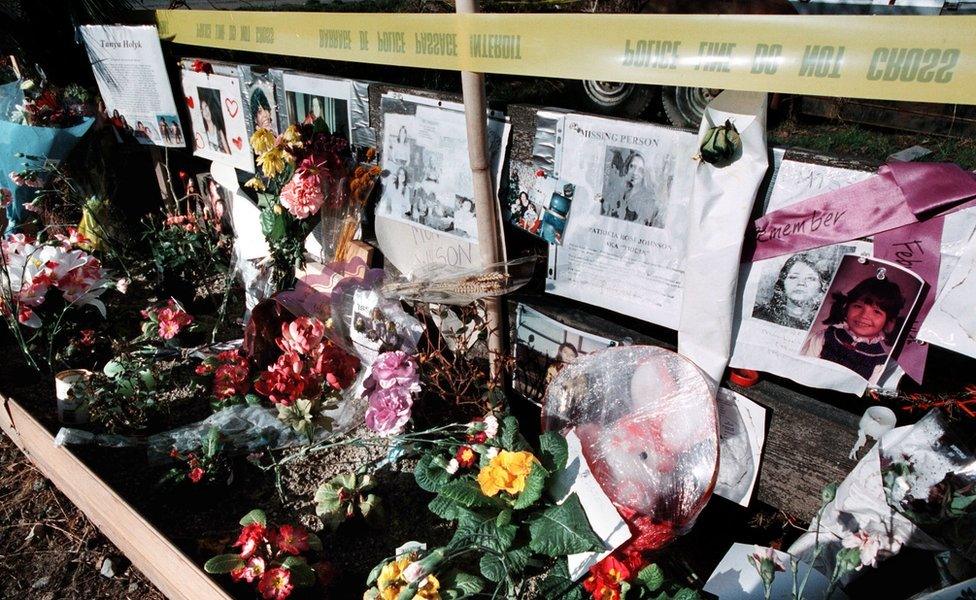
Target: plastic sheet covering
{"points": [[367, 321], [648, 424], [441, 284]]}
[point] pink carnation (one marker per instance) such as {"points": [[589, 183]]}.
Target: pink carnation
{"points": [[302, 195], [389, 410], [394, 369]]}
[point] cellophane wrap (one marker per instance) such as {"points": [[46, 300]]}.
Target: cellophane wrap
{"points": [[648, 424]]}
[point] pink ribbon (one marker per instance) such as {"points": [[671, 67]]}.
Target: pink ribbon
{"points": [[903, 207]]}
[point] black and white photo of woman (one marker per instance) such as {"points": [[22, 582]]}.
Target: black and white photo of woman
{"points": [[798, 292], [626, 193], [214, 132], [400, 193], [400, 147]]}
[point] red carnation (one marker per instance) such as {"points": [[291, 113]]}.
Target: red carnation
{"points": [[196, 474]]}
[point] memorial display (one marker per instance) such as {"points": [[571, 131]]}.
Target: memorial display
{"points": [[321, 336]]}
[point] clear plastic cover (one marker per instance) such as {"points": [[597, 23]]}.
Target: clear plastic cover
{"points": [[441, 284], [648, 424]]}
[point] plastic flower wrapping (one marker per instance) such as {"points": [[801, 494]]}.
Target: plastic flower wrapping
{"points": [[648, 424]]}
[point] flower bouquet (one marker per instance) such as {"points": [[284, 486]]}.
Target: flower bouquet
{"points": [[43, 126], [305, 171]]}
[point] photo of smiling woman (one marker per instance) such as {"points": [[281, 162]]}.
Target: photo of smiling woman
{"points": [[864, 316]]}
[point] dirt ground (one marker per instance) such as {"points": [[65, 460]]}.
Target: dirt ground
{"points": [[48, 549]]}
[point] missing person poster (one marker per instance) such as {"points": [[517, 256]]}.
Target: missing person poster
{"points": [[218, 116], [623, 248], [131, 77], [426, 214]]}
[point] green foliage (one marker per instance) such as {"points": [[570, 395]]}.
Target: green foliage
{"points": [[553, 451], [223, 563], [123, 398], [301, 573], [255, 516], [345, 497], [563, 529]]}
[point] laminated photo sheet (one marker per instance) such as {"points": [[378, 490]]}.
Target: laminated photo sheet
{"points": [[539, 203], [742, 434], [263, 107], [770, 328], [543, 346], [624, 247], [217, 113], [128, 65], [342, 103], [426, 214]]}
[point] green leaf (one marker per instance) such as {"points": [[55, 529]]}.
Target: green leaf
{"points": [[493, 568], [504, 518], [511, 439], [465, 583], [518, 559], [266, 200], [252, 400], [651, 577], [430, 477], [374, 574], [301, 573], [255, 516], [113, 369], [686, 594], [481, 528], [372, 508], [557, 584], [212, 444], [314, 542], [224, 563], [553, 450], [563, 529], [444, 508], [534, 484], [959, 504], [464, 493]]}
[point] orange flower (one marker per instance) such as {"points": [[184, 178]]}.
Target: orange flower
{"points": [[507, 471]]}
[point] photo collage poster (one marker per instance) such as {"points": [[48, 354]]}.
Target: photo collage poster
{"points": [[428, 193], [217, 113], [624, 246], [128, 65], [795, 311], [538, 203], [543, 346]]}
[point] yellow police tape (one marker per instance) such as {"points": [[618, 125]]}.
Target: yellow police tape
{"points": [[929, 59]]}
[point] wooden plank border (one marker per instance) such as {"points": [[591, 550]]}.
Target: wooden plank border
{"points": [[169, 569]]}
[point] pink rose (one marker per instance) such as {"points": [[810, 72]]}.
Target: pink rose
{"points": [[302, 195], [394, 369], [388, 411], [303, 335]]}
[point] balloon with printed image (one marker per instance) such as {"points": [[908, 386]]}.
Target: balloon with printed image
{"points": [[648, 424]]}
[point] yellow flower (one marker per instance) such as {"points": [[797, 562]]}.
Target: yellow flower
{"points": [[273, 161], [262, 140], [292, 137], [392, 574], [507, 471], [255, 184], [428, 591]]}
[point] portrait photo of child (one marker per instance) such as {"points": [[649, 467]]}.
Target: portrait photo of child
{"points": [[864, 315]]}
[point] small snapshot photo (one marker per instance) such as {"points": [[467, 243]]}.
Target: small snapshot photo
{"points": [[211, 112], [635, 187], [543, 347], [216, 202], [308, 108], [169, 129], [791, 294], [864, 315], [539, 203]]}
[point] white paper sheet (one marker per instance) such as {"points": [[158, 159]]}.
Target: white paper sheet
{"points": [[624, 245], [742, 433], [604, 519], [132, 80], [952, 321]]}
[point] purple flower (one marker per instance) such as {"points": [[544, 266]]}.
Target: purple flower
{"points": [[394, 369], [389, 410]]}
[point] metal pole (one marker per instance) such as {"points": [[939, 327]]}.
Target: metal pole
{"points": [[486, 211]]}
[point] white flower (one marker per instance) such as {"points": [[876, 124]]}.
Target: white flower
{"points": [[413, 572], [122, 285], [492, 453], [868, 543], [452, 466], [491, 426], [27, 84]]}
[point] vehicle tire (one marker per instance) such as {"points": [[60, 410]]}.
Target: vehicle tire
{"points": [[684, 106], [627, 100]]}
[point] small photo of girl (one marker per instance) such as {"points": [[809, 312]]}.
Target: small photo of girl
{"points": [[864, 315], [214, 130]]}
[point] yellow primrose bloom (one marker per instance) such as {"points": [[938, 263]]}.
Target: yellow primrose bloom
{"points": [[292, 137], [262, 140], [428, 591], [507, 471], [272, 162], [392, 573], [390, 593], [255, 184]]}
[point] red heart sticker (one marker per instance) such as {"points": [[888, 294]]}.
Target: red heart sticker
{"points": [[189, 101], [198, 141], [238, 142], [232, 107]]}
